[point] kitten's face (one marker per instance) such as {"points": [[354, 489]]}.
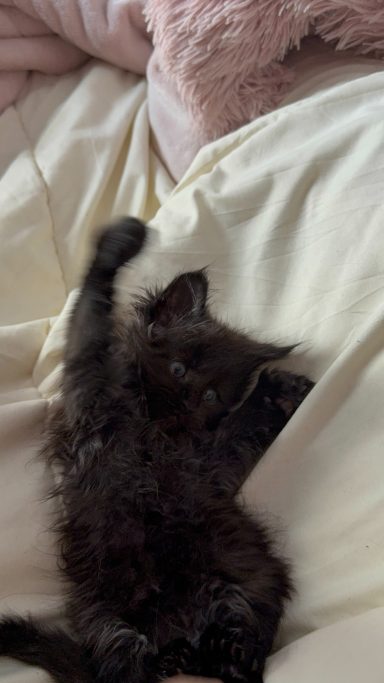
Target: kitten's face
{"points": [[196, 369]]}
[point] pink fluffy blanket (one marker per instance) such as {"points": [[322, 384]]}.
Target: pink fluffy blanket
{"points": [[212, 65]]}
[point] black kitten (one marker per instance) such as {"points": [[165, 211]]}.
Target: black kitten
{"points": [[162, 417]]}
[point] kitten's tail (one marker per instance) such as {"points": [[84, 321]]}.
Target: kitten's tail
{"points": [[49, 648]]}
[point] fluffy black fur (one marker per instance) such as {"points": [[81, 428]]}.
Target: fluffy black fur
{"points": [[163, 414]]}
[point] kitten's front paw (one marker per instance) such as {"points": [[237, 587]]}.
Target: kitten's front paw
{"points": [[119, 243], [178, 656], [230, 654], [284, 390]]}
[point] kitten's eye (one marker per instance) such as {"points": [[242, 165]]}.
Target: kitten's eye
{"points": [[177, 369], [210, 396]]}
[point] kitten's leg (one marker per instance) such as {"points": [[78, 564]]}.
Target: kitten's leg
{"points": [[240, 631], [253, 427], [88, 376], [276, 397], [118, 652]]}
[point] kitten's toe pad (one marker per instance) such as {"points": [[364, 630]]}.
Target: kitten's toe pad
{"points": [[119, 243]]}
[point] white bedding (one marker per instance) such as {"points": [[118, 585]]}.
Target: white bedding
{"points": [[288, 214]]}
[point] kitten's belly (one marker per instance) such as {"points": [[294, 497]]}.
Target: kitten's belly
{"points": [[154, 549]]}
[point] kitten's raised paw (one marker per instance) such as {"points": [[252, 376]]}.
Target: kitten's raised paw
{"points": [[179, 656], [119, 243], [229, 654], [284, 390]]}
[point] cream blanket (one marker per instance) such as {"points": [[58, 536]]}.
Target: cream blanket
{"points": [[288, 214]]}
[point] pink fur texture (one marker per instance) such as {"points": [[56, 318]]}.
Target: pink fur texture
{"points": [[224, 56], [357, 24]]}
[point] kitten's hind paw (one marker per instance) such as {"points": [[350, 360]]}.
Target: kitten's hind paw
{"points": [[230, 654], [119, 243], [179, 656]]}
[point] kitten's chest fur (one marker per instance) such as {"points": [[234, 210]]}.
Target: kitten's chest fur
{"points": [[142, 519]]}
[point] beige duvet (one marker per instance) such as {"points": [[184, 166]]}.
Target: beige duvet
{"points": [[288, 214]]}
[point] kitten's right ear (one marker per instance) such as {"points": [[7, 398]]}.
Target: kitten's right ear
{"points": [[185, 296]]}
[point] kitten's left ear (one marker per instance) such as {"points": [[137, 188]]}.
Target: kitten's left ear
{"points": [[185, 296]]}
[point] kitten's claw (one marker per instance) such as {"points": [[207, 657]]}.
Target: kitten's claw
{"points": [[119, 243]]}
